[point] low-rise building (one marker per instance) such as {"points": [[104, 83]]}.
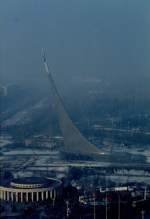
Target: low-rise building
{"points": [[30, 189]]}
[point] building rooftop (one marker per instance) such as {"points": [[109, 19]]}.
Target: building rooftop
{"points": [[32, 182]]}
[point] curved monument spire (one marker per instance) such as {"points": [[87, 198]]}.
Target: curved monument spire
{"points": [[74, 141]]}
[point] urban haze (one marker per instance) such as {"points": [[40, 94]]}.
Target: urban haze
{"points": [[75, 109]]}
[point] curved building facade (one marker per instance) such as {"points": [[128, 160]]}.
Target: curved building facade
{"points": [[30, 189]]}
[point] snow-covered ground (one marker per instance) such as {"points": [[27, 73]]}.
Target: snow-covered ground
{"points": [[5, 140], [33, 152], [136, 151], [128, 179]]}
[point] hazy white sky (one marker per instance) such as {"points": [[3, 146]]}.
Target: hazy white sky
{"points": [[107, 39]]}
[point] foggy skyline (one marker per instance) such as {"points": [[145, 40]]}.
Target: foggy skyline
{"points": [[84, 40]]}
